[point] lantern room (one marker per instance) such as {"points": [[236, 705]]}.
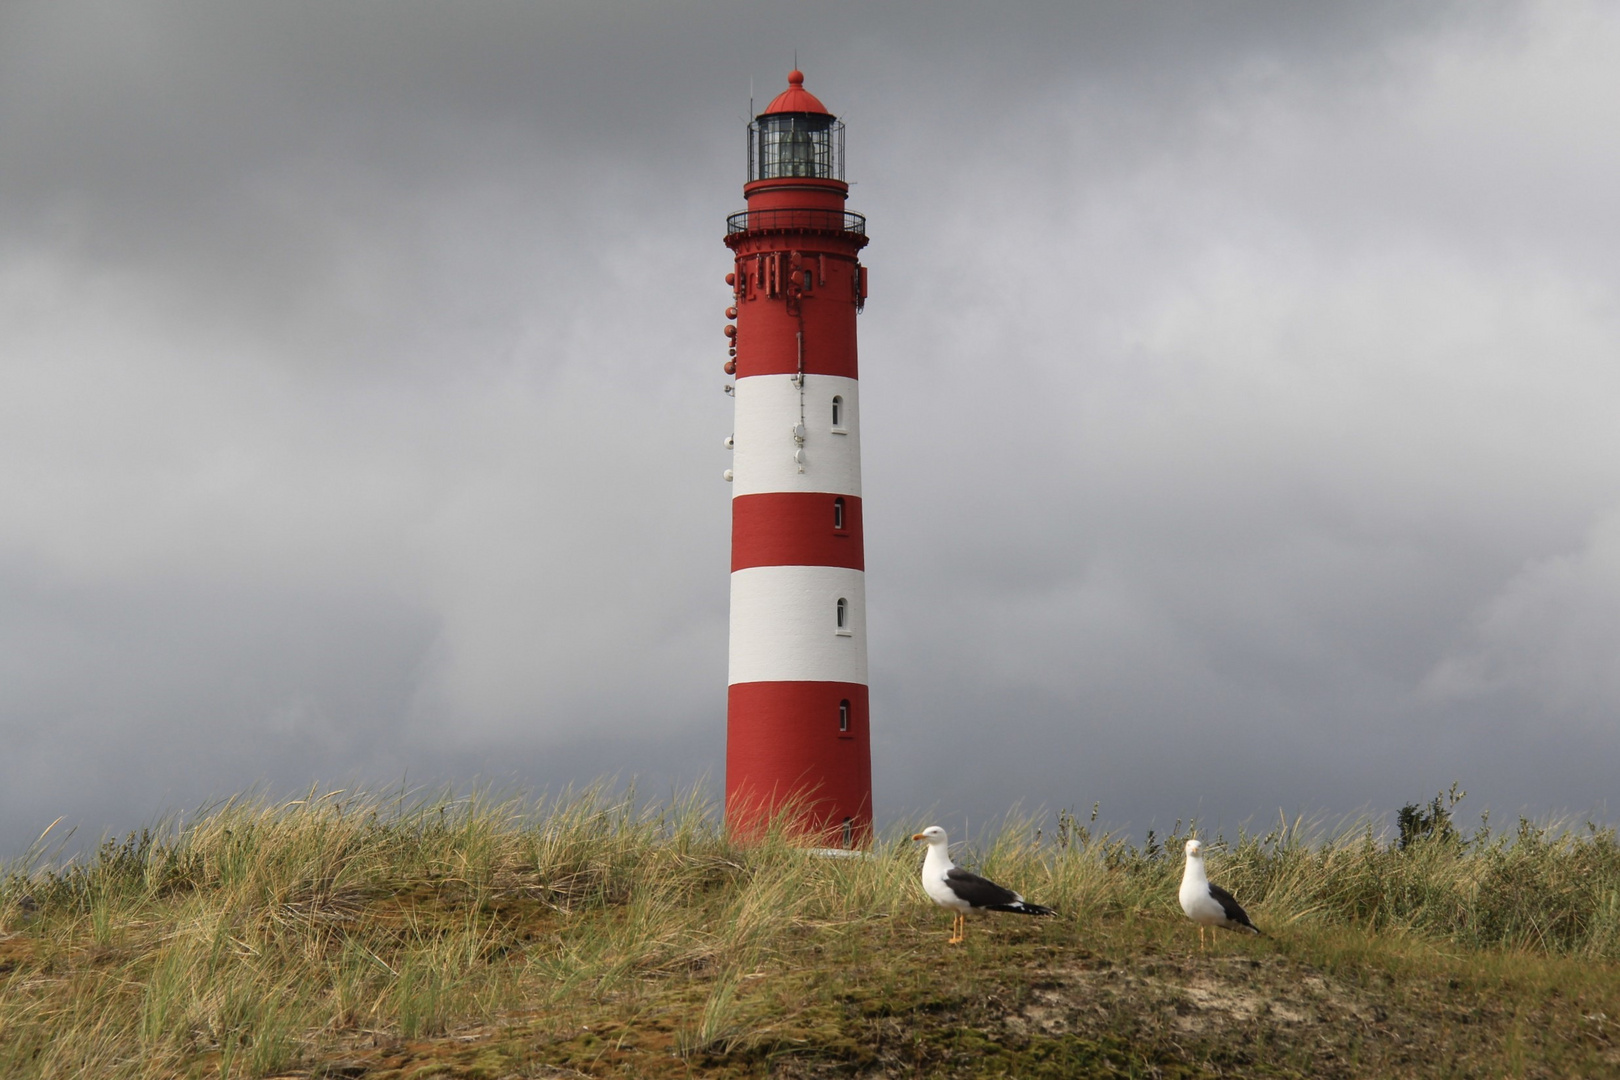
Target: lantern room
{"points": [[796, 137]]}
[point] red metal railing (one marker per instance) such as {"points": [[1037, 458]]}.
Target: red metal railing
{"points": [[787, 217]]}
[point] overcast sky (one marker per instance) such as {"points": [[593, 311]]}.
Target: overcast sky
{"points": [[1239, 399]]}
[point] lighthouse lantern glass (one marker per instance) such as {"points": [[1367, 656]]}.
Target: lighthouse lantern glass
{"points": [[795, 144]]}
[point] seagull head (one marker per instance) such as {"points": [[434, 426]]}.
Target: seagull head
{"points": [[931, 835], [1195, 850]]}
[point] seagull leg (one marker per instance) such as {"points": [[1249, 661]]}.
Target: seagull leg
{"points": [[1200, 937], [958, 931]]}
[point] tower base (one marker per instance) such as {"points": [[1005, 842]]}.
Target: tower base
{"points": [[805, 751]]}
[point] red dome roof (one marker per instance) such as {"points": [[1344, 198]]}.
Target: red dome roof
{"points": [[796, 98]]}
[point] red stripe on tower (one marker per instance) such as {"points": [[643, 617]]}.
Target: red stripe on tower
{"points": [[781, 528], [797, 732]]}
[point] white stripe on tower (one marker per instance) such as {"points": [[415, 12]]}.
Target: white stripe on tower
{"points": [[767, 410], [784, 624]]}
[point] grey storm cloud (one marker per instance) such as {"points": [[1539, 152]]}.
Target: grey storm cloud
{"points": [[1237, 396]]}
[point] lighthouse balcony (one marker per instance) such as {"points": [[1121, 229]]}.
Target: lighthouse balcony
{"points": [[796, 219]]}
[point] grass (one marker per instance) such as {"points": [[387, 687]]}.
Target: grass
{"points": [[598, 935]]}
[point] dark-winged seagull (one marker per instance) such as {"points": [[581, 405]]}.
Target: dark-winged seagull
{"points": [[1205, 902], [962, 892]]}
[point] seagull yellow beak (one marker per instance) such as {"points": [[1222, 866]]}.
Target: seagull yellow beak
{"points": [[919, 836]]}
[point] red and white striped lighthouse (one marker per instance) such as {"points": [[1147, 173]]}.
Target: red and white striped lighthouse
{"points": [[797, 719]]}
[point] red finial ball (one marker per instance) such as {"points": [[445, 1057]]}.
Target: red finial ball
{"points": [[795, 77]]}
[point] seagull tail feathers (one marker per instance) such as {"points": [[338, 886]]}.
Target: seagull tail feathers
{"points": [[1023, 907]]}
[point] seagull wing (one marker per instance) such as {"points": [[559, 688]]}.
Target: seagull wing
{"points": [[978, 891], [983, 893], [1234, 910]]}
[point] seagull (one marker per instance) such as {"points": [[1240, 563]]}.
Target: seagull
{"points": [[961, 891], [1206, 903]]}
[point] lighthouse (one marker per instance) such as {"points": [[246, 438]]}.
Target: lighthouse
{"points": [[797, 722]]}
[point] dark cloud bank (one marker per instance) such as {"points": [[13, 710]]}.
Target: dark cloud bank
{"points": [[1237, 391]]}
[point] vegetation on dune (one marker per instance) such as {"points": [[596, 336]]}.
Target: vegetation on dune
{"points": [[597, 935]]}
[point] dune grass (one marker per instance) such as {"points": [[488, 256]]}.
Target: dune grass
{"points": [[597, 934]]}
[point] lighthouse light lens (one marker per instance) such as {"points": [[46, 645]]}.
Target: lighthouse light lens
{"points": [[795, 145]]}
